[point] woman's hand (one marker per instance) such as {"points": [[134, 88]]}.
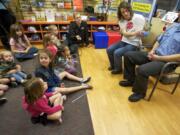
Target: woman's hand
{"points": [[139, 33], [129, 34]]}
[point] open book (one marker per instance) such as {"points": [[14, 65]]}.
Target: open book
{"points": [[170, 17]]}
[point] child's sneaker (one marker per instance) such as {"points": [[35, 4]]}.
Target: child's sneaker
{"points": [[64, 97], [74, 56], [29, 76], [87, 86], [35, 120], [60, 121], [23, 81], [85, 80], [35, 54], [3, 100], [13, 84]]}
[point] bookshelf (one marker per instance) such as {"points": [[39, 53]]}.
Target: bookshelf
{"points": [[63, 28]]}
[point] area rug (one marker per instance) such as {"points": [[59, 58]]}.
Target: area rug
{"points": [[76, 116]]}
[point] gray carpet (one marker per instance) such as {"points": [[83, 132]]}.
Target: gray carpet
{"points": [[15, 121]]}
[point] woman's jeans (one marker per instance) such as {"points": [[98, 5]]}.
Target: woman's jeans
{"points": [[115, 53]]}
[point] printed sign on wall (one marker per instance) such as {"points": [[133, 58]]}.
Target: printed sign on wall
{"points": [[144, 7]]}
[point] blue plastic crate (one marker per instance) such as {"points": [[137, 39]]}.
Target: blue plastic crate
{"points": [[100, 39]]}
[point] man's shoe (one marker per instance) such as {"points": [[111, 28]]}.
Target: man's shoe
{"points": [[136, 97], [115, 72], [3, 100], [110, 68], [125, 83]]}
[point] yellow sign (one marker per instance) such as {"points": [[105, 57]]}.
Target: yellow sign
{"points": [[141, 7]]}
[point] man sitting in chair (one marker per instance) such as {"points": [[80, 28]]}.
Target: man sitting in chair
{"points": [[166, 49]]}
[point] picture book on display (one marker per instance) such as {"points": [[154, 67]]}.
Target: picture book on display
{"points": [[170, 17]]}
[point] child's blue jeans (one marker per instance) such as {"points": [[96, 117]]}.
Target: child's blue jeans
{"points": [[19, 76], [28, 55]]}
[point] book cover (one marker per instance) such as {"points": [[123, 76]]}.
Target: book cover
{"points": [[50, 15], [170, 17]]}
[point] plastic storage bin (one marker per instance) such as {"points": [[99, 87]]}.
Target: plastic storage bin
{"points": [[100, 39], [113, 37]]}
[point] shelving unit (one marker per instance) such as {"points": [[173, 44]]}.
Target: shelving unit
{"points": [[63, 28]]}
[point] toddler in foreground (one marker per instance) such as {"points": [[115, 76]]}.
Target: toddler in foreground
{"points": [[41, 104]]}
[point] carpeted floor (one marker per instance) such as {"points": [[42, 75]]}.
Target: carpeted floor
{"points": [[15, 121]]}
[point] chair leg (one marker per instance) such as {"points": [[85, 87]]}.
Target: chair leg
{"points": [[153, 89], [177, 82]]}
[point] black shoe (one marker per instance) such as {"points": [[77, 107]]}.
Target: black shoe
{"points": [[115, 72], [29, 76], [125, 83], [3, 100], [13, 84], [74, 56], [40, 119], [110, 68], [20, 60], [35, 120], [136, 97], [24, 83]]}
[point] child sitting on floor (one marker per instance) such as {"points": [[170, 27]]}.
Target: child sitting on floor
{"points": [[11, 69], [41, 104], [65, 60], [20, 44], [53, 78], [49, 44], [4, 80], [53, 30]]}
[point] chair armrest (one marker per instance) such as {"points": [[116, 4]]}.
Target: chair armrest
{"points": [[177, 70], [168, 64]]}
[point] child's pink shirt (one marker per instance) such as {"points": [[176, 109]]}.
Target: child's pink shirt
{"points": [[20, 45], [40, 106], [53, 49]]}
